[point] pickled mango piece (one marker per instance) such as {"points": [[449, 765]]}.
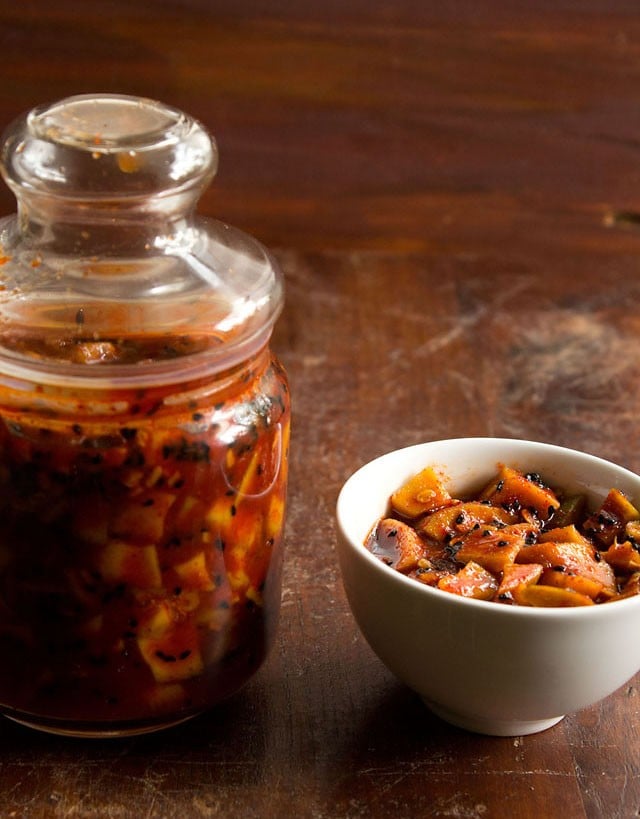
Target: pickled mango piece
{"points": [[275, 517], [142, 519], [632, 531], [624, 556], [494, 549], [193, 573], [461, 518], [397, 544], [219, 515], [575, 582], [630, 588], [563, 534], [575, 558], [120, 562], [549, 596], [516, 575], [514, 491], [471, 581], [174, 656], [155, 619], [424, 492], [187, 517], [609, 521]]}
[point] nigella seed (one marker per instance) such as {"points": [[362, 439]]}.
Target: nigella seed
{"points": [[167, 658], [503, 543], [461, 518], [512, 506], [499, 486], [597, 556], [558, 569]]}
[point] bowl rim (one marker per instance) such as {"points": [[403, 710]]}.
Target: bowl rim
{"points": [[453, 600]]}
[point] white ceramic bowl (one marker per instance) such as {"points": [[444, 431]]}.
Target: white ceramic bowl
{"points": [[486, 667]]}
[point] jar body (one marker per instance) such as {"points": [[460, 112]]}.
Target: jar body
{"points": [[140, 548]]}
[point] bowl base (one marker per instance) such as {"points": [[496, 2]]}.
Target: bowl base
{"points": [[492, 727]]}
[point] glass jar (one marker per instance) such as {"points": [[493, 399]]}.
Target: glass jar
{"points": [[144, 426]]}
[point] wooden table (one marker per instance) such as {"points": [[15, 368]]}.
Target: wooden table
{"points": [[451, 189]]}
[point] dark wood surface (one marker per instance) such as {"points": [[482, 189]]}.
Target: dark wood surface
{"points": [[450, 188]]}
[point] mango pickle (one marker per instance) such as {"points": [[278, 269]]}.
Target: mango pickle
{"points": [[140, 556], [516, 542]]}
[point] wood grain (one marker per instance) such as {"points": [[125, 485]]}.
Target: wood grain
{"points": [[451, 191]]}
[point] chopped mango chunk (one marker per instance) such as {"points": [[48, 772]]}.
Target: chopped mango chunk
{"points": [[493, 548], [120, 562], [576, 558], [174, 656], [470, 581], [397, 544], [549, 596], [193, 573], [155, 619], [623, 556], [462, 518], [142, 519], [515, 491], [422, 493], [575, 582], [516, 575], [609, 522], [563, 534]]}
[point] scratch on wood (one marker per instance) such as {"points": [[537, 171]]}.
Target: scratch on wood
{"points": [[467, 322]]}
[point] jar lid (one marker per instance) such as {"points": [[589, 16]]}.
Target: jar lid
{"points": [[105, 271]]}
